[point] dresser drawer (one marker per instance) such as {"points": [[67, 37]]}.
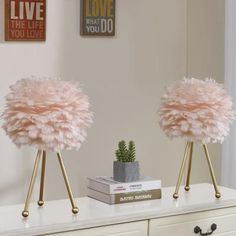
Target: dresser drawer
{"points": [[183, 225], [233, 233], [139, 228]]}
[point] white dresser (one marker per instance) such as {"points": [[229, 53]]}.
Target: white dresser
{"points": [[165, 217]]}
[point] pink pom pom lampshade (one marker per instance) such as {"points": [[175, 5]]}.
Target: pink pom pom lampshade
{"points": [[51, 115], [199, 111]]}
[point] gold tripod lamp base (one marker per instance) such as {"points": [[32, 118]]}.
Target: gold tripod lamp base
{"points": [[42, 155], [188, 155]]}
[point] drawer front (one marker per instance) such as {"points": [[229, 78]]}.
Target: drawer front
{"points": [[228, 234], [129, 229], [184, 224]]}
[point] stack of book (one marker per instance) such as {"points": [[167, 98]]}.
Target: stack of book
{"points": [[107, 190]]}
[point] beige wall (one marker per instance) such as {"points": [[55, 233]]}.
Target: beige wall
{"points": [[205, 57], [124, 77]]}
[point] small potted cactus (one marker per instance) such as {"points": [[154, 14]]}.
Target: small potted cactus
{"points": [[125, 168]]}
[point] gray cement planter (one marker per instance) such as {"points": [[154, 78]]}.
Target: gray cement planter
{"points": [[126, 171]]}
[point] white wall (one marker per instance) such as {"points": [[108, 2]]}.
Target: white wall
{"points": [[124, 77], [228, 177], [205, 58]]}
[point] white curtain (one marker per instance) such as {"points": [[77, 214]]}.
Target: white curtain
{"points": [[228, 175]]}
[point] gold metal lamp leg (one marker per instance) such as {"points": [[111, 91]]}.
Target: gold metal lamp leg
{"points": [[25, 212], [187, 187], [75, 209], [176, 195], [217, 192], [41, 201]]}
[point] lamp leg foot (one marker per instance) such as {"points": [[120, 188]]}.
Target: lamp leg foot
{"points": [[175, 195], [25, 213], [75, 210], [40, 202]]}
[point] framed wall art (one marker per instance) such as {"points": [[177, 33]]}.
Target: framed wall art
{"points": [[97, 17], [25, 20]]}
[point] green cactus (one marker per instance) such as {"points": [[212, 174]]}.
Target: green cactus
{"points": [[124, 154], [131, 151]]}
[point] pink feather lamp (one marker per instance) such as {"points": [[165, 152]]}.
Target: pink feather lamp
{"points": [[51, 115], [199, 111]]}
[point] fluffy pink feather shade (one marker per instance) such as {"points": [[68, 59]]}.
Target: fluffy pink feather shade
{"points": [[49, 114], [197, 110]]}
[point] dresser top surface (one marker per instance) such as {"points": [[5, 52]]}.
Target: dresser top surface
{"points": [[56, 216]]}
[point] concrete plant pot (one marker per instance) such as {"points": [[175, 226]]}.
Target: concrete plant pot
{"points": [[126, 171]]}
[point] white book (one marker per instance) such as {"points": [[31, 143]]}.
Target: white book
{"points": [[125, 197], [108, 185]]}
